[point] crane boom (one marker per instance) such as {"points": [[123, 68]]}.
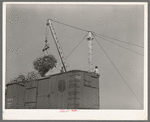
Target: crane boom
{"points": [[49, 23]]}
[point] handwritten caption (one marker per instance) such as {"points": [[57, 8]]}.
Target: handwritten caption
{"points": [[64, 111]]}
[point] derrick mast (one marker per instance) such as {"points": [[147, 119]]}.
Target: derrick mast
{"points": [[90, 45], [49, 23]]}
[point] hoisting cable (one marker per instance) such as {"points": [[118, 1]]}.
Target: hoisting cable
{"points": [[119, 45], [47, 40], [95, 33], [46, 43], [73, 50], [116, 69], [46, 33]]}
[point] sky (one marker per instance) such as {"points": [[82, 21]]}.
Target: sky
{"points": [[25, 39]]}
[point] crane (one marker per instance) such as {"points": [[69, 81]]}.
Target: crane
{"points": [[49, 24]]}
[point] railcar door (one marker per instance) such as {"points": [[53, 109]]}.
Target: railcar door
{"points": [[43, 94]]}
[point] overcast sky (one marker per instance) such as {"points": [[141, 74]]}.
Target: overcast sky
{"points": [[25, 36]]}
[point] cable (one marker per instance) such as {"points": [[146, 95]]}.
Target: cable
{"points": [[104, 50], [72, 50], [77, 45], [95, 33], [46, 33], [49, 51], [117, 71], [69, 25], [120, 45], [119, 40]]}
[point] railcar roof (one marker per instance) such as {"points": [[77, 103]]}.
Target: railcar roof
{"points": [[21, 83]]}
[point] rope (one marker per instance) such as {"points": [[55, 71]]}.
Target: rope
{"points": [[69, 25], [118, 71], [75, 48], [119, 40], [77, 45], [95, 33], [120, 45], [72, 50]]}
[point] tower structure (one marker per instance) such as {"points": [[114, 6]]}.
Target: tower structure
{"points": [[90, 45]]}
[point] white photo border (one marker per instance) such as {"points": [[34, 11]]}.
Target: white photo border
{"points": [[55, 114]]}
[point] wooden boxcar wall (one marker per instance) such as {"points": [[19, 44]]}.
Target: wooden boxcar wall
{"points": [[84, 93], [71, 90], [90, 91], [53, 92], [31, 94], [15, 96]]}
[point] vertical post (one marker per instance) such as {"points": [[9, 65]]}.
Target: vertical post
{"points": [[90, 45]]}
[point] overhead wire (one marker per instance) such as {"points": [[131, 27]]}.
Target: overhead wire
{"points": [[119, 45], [118, 40], [96, 33], [117, 69], [69, 25]]}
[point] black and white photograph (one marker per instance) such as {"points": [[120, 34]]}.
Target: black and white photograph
{"points": [[75, 60]]}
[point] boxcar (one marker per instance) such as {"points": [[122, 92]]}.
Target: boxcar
{"points": [[70, 90], [15, 96]]}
